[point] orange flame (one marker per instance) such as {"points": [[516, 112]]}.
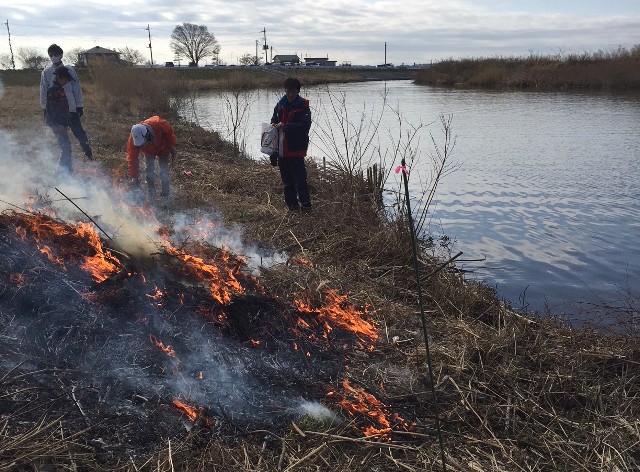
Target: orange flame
{"points": [[337, 311], [194, 414], [168, 350], [100, 265], [47, 251], [364, 403], [189, 411], [222, 284]]}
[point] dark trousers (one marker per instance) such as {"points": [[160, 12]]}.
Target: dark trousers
{"points": [[163, 163], [294, 177], [62, 136], [80, 134]]}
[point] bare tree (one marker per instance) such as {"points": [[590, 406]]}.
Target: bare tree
{"points": [[194, 42], [131, 56], [237, 104], [31, 58], [248, 59], [5, 61], [72, 56]]}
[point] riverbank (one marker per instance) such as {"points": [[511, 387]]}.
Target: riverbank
{"points": [[203, 78], [513, 392], [616, 70]]}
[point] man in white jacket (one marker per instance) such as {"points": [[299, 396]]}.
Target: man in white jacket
{"points": [[74, 96]]}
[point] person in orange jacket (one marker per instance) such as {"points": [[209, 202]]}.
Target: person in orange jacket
{"points": [[155, 138]]}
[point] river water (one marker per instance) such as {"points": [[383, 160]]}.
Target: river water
{"points": [[543, 186]]}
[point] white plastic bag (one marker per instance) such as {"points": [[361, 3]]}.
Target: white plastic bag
{"points": [[269, 139]]}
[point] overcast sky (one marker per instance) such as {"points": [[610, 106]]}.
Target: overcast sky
{"points": [[415, 31]]}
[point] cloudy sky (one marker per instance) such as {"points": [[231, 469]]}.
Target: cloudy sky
{"points": [[359, 31]]}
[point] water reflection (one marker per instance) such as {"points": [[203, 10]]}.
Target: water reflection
{"points": [[546, 188]]}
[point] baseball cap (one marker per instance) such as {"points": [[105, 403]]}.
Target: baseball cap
{"points": [[139, 134]]}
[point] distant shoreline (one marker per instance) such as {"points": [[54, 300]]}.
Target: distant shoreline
{"points": [[219, 76]]}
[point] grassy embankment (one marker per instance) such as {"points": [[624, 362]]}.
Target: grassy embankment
{"points": [[515, 392], [618, 70]]}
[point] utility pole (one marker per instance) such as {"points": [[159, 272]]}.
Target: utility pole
{"points": [[265, 48], [13, 64], [385, 53], [256, 59], [151, 50]]}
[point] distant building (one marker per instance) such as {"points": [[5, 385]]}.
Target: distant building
{"points": [[286, 60], [319, 61], [97, 55]]}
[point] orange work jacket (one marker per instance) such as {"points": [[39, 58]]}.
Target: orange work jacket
{"points": [[163, 142]]}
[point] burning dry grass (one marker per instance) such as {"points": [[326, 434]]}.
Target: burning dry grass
{"points": [[336, 322]]}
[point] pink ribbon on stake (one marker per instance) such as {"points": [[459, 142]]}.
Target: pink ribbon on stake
{"points": [[403, 169]]}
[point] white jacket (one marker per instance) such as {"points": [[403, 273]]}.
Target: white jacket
{"points": [[72, 88]]}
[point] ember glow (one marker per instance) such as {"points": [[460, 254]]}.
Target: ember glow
{"points": [[157, 297], [302, 261], [17, 279]]}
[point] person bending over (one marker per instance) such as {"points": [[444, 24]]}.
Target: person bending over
{"points": [[155, 138]]}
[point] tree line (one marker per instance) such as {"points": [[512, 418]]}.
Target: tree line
{"points": [[192, 42]]}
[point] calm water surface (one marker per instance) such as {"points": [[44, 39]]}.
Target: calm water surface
{"points": [[545, 186]]}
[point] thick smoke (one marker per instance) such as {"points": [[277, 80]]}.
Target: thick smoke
{"points": [[33, 175]]}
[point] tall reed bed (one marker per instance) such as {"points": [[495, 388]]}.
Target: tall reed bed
{"points": [[612, 70]]}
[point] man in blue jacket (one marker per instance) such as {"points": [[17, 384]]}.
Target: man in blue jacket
{"points": [[292, 118]]}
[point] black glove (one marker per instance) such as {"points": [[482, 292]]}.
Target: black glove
{"points": [[274, 160], [80, 111]]}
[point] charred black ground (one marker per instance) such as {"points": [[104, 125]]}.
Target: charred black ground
{"points": [[109, 358]]}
